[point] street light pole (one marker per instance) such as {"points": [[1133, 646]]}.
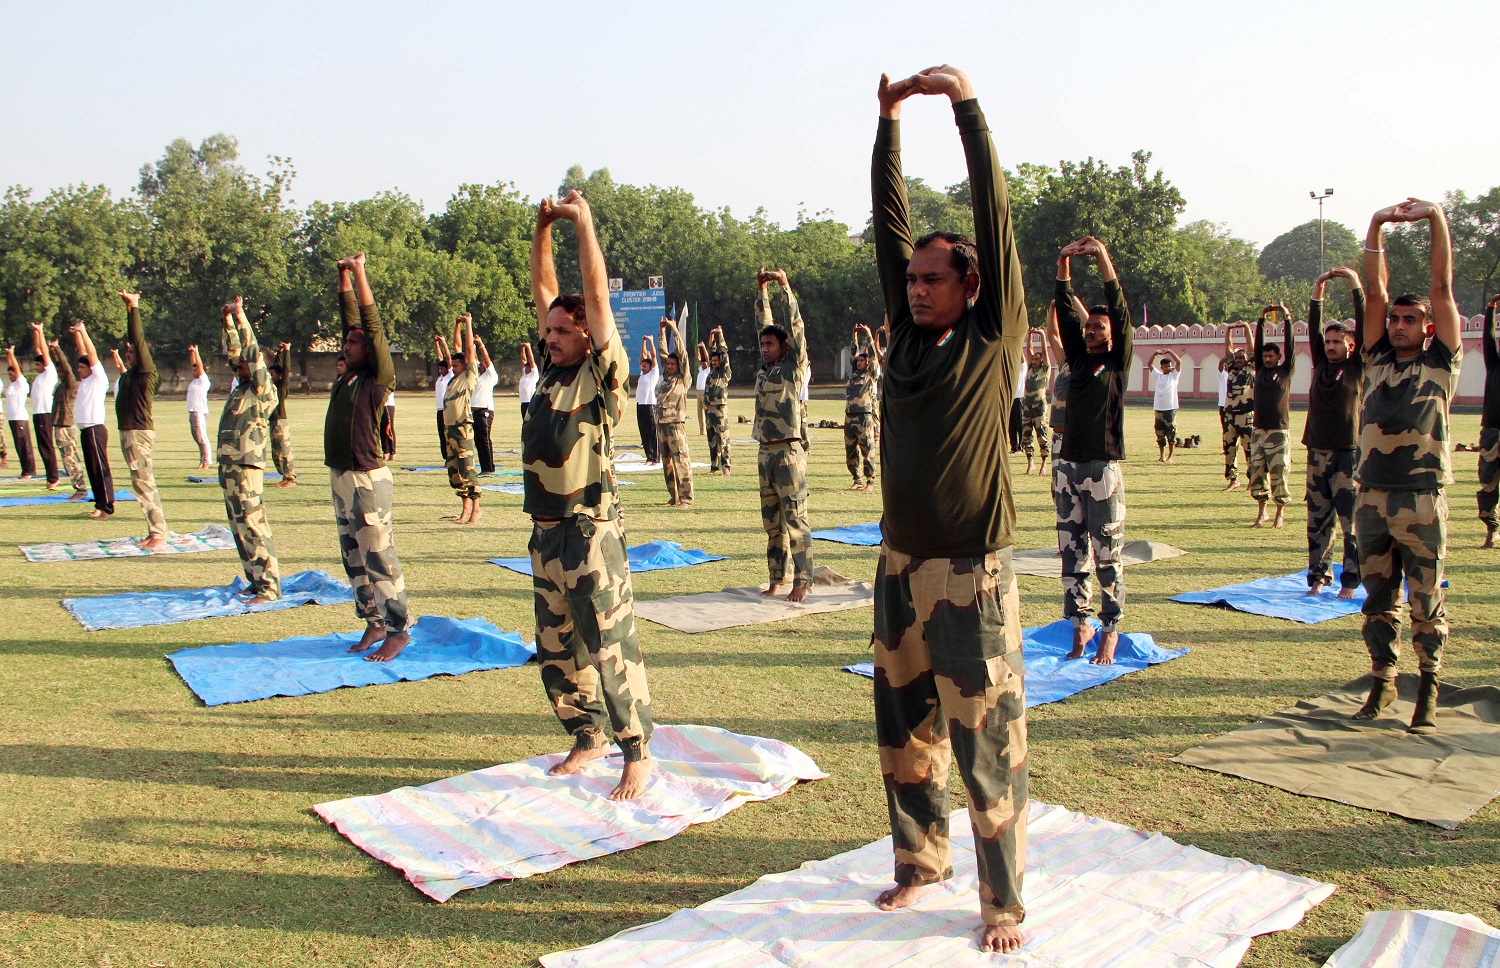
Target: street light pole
{"points": [[1319, 199]]}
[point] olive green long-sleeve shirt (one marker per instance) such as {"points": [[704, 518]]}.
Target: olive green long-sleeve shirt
{"points": [[351, 431], [138, 383]]}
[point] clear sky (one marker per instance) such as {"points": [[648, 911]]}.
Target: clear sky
{"points": [[1246, 106]]}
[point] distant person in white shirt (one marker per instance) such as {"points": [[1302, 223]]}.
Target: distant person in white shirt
{"points": [[440, 390], [88, 415], [388, 426], [17, 399], [482, 406], [197, 406], [645, 399], [1168, 373], [42, 389], [530, 375], [802, 400], [1019, 394], [701, 382]]}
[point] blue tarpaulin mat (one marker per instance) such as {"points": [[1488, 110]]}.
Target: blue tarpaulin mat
{"points": [[1050, 677], [1285, 597], [129, 610], [854, 534], [506, 487], [307, 664], [651, 556], [194, 479], [441, 467], [21, 502]]}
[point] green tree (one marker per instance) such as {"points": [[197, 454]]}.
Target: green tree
{"points": [[1294, 256], [1224, 281], [488, 227]]}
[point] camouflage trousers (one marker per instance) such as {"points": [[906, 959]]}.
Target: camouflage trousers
{"points": [[1091, 524], [362, 502], [1489, 477], [1237, 431], [950, 683], [281, 450], [462, 459], [1270, 463], [718, 439], [198, 427], [1402, 534], [676, 462], [1165, 425], [244, 488], [1038, 426], [65, 439], [859, 446], [137, 446], [806, 445], [585, 633], [783, 511], [1330, 499]]}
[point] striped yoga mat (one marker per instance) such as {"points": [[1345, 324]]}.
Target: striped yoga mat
{"points": [[1401, 939], [1098, 895], [214, 537], [512, 821]]}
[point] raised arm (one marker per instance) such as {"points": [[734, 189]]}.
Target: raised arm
{"points": [[1069, 320], [84, 344], [466, 323], [702, 355], [543, 268], [528, 362], [575, 208], [648, 349], [369, 321], [1446, 322], [1053, 335], [64, 368], [229, 337], [1260, 334], [1491, 352], [1122, 333], [1288, 339], [284, 361], [484, 355], [891, 219], [1377, 293], [39, 341], [250, 352], [440, 347], [195, 361], [136, 333], [1176, 360], [114, 356], [10, 358], [796, 327]]}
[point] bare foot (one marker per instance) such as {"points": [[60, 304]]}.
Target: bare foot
{"points": [[1260, 516], [474, 514], [51, 485], [575, 760], [1028, 465], [1316, 588], [203, 466], [373, 634], [286, 483], [79, 496], [900, 896], [152, 544], [1161, 460], [1489, 540], [25, 477], [391, 648], [856, 486], [1280, 521], [1081, 636], [1346, 593], [1002, 938], [632, 780], [797, 593], [1233, 486], [1106, 653], [670, 504], [869, 487], [258, 600], [684, 505], [770, 591]]}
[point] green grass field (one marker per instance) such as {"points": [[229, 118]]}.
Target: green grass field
{"points": [[140, 828]]}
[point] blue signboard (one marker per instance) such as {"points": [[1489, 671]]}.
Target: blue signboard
{"points": [[638, 313]]}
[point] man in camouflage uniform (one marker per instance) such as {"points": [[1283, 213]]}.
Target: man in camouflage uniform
{"points": [[671, 418], [949, 676], [64, 433], [133, 399], [281, 428], [458, 418], [782, 461], [1489, 429], [1271, 441], [244, 431], [363, 489], [1239, 404], [859, 411], [586, 639], [1401, 520], [716, 402], [1332, 438], [1036, 415]]}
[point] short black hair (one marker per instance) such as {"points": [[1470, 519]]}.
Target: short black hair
{"points": [[276, 368], [1412, 299], [1274, 347], [777, 330], [572, 303], [1099, 310], [964, 254], [39, 358], [1337, 328]]}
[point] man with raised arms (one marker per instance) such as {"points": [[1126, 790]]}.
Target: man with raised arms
{"points": [[780, 430], [585, 619], [64, 433], [133, 399], [1332, 438], [363, 489], [1239, 403], [645, 400], [18, 413], [281, 428], [197, 405], [1489, 429], [1168, 371], [716, 402], [1401, 518], [671, 417], [88, 414], [1090, 482], [244, 435], [482, 406], [43, 387], [1036, 415], [860, 410], [1271, 442], [458, 418], [948, 668]]}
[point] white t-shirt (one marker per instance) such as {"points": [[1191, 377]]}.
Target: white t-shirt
{"points": [[1166, 390], [440, 388], [390, 399], [16, 396], [88, 406], [1223, 389], [1021, 380], [645, 388], [42, 389], [702, 380], [806, 382], [484, 390], [197, 394], [529, 380]]}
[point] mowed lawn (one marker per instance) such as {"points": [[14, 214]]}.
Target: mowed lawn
{"points": [[140, 828]]}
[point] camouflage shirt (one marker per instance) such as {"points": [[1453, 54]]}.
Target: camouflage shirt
{"points": [[1060, 396], [716, 390], [859, 395], [778, 411], [1403, 420], [567, 448], [1034, 401], [1240, 399], [458, 396], [245, 424], [671, 399]]}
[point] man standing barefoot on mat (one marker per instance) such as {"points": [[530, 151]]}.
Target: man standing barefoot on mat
{"points": [[88, 414], [244, 435], [458, 419], [779, 427], [716, 402], [1239, 404], [1401, 519], [281, 427], [1332, 438], [362, 485], [1271, 443], [137, 391], [64, 433], [948, 669], [585, 619]]}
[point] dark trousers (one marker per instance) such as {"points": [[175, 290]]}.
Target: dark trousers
{"points": [[645, 418], [44, 445], [1015, 425], [388, 430], [20, 432], [482, 421], [523, 409], [95, 443], [442, 437]]}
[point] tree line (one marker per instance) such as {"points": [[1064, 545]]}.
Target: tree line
{"points": [[201, 227]]}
